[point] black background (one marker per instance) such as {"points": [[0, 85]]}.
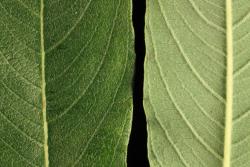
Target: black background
{"points": [[137, 148]]}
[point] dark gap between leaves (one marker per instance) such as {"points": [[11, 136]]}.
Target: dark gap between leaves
{"points": [[137, 148]]}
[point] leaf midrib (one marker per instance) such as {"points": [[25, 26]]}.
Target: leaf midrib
{"points": [[229, 86], [43, 85]]}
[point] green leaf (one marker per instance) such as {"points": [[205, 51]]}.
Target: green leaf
{"points": [[65, 82], [197, 83]]}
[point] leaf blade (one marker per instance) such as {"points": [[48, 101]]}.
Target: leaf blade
{"points": [[188, 47], [173, 67], [86, 64]]}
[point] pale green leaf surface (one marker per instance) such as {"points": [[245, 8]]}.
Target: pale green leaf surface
{"points": [[87, 46], [185, 82]]}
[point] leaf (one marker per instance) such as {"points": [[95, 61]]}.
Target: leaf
{"points": [[65, 82], [197, 83]]}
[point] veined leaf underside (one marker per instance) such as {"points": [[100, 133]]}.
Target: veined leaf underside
{"points": [[196, 77]]}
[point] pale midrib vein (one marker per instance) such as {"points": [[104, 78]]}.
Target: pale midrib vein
{"points": [[45, 123], [229, 86]]}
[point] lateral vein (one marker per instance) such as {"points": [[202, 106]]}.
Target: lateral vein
{"points": [[229, 86], [44, 112]]}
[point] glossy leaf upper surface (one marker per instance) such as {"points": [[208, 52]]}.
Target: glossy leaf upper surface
{"points": [[87, 46]]}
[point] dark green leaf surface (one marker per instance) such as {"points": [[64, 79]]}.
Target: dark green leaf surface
{"points": [[77, 57], [197, 83]]}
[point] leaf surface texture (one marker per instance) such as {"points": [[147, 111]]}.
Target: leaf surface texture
{"points": [[186, 82], [65, 82]]}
